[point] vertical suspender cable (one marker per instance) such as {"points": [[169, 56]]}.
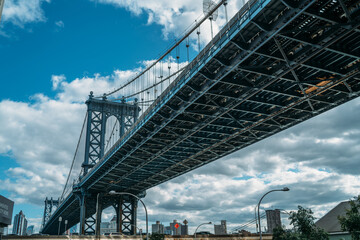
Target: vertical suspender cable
{"points": [[178, 56], [198, 33], [212, 35], [154, 83], [226, 16], [169, 67], [73, 161], [161, 76], [187, 49], [197, 25]]}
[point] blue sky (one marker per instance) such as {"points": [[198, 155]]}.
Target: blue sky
{"points": [[53, 52], [96, 39]]}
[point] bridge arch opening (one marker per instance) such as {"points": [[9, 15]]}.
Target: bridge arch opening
{"points": [[112, 133], [108, 221]]}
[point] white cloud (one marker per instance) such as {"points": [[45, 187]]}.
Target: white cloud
{"points": [[176, 16], [60, 24], [317, 159], [41, 135], [21, 12], [56, 80]]}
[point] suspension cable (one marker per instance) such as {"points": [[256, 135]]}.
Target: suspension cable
{"points": [[145, 89], [197, 24], [73, 161], [111, 135]]}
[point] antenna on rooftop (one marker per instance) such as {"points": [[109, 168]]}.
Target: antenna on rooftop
{"points": [[208, 5]]}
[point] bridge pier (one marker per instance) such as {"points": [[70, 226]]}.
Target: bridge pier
{"points": [[126, 214], [98, 113], [91, 208], [87, 204], [125, 209]]}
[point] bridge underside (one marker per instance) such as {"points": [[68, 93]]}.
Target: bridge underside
{"points": [[290, 61]]}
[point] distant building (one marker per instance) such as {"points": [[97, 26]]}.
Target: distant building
{"points": [[273, 219], [158, 228], [20, 224], [330, 223], [6, 211], [175, 231], [30, 230], [108, 227], [168, 231], [220, 229], [184, 230], [3, 231]]}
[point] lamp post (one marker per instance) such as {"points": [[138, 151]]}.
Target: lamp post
{"points": [[60, 219], [285, 189], [97, 230], [146, 213], [138, 229], [199, 226], [256, 223], [66, 222]]}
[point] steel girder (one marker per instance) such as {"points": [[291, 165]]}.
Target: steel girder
{"points": [[263, 80], [275, 66]]}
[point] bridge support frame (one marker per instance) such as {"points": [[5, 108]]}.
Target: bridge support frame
{"points": [[97, 114], [50, 206], [126, 214], [87, 219]]}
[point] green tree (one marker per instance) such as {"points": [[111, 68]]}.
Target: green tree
{"points": [[157, 236], [351, 221], [279, 233], [304, 227]]}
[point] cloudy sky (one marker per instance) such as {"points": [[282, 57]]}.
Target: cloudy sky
{"points": [[54, 52]]}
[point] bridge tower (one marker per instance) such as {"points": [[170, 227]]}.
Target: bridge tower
{"points": [[98, 112], [50, 206]]}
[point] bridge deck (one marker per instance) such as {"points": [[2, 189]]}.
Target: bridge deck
{"points": [[272, 67]]}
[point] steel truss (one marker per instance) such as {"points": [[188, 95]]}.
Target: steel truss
{"points": [[272, 67], [50, 206], [286, 65], [98, 113]]}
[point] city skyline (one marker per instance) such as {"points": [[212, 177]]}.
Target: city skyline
{"points": [[20, 224], [55, 55]]}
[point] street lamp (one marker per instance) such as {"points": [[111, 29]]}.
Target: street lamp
{"points": [[256, 223], [285, 189], [66, 222], [60, 219], [199, 226], [138, 229], [146, 213]]}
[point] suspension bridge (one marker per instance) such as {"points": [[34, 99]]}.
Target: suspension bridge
{"points": [[274, 64]]}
